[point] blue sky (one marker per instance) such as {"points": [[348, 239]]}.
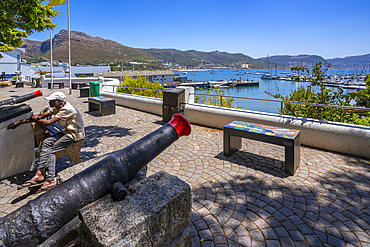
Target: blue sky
{"points": [[253, 27]]}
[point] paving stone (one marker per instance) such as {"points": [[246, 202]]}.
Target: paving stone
{"points": [[286, 242], [219, 238], [324, 204], [322, 236], [362, 236], [258, 243], [269, 234], [336, 241], [288, 225], [207, 244], [215, 228], [313, 240], [257, 235], [350, 237], [245, 241], [296, 235], [200, 224], [273, 243], [231, 243], [304, 229], [205, 234], [196, 242]]}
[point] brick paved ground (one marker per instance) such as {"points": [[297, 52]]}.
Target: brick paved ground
{"points": [[243, 200]]}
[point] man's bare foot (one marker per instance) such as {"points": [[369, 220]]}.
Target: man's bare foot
{"points": [[35, 180], [47, 185]]}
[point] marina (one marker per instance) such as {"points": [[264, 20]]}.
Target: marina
{"points": [[252, 85]]}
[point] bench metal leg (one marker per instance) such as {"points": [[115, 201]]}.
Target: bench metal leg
{"points": [[94, 107], [292, 157], [231, 144]]}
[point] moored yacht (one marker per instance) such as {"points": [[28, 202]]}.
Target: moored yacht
{"points": [[266, 77]]}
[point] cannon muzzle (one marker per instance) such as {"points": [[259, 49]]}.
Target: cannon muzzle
{"points": [[36, 221], [21, 99]]}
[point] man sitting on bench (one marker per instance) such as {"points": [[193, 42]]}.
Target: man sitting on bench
{"points": [[70, 119]]}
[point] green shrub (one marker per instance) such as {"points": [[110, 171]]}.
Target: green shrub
{"points": [[140, 82]]}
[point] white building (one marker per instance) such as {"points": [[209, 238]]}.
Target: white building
{"points": [[77, 71], [11, 62]]}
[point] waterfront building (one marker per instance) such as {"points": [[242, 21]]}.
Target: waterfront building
{"points": [[76, 70], [11, 61]]}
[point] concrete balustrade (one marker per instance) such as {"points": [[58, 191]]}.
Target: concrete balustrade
{"points": [[338, 137]]}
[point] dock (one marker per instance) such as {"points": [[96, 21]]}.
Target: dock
{"points": [[215, 84], [353, 86]]}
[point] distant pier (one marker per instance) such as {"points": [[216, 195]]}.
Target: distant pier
{"points": [[216, 84]]}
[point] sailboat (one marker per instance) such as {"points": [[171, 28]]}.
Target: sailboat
{"points": [[267, 76]]}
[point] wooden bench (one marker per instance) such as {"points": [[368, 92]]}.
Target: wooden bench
{"points": [[60, 85], [234, 131], [105, 105], [73, 151]]}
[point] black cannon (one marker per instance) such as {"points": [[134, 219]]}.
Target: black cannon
{"points": [[21, 99], [33, 223]]}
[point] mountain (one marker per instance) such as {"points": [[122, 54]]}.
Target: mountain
{"points": [[351, 60], [214, 58], [86, 49], [310, 60], [32, 48], [287, 61]]}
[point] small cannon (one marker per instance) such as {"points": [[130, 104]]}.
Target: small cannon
{"points": [[36, 221], [21, 99]]}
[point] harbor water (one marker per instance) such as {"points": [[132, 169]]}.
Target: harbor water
{"points": [[256, 92]]}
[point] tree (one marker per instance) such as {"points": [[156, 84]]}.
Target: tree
{"points": [[20, 18], [325, 96]]}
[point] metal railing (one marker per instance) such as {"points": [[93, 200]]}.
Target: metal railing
{"points": [[282, 102]]}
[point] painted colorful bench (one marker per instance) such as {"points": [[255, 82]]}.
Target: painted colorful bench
{"points": [[289, 138]]}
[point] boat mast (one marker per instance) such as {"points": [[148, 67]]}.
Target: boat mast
{"points": [[275, 68]]}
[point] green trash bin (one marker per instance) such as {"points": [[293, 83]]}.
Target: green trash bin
{"points": [[94, 88]]}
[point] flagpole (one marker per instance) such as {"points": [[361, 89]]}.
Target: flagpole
{"points": [[51, 59], [69, 52]]}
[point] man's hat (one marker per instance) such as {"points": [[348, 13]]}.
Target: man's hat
{"points": [[56, 95]]}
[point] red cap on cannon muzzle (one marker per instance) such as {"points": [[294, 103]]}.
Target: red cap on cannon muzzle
{"points": [[38, 93], [181, 125]]}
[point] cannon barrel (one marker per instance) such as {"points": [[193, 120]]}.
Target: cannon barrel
{"points": [[34, 222], [21, 99]]}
